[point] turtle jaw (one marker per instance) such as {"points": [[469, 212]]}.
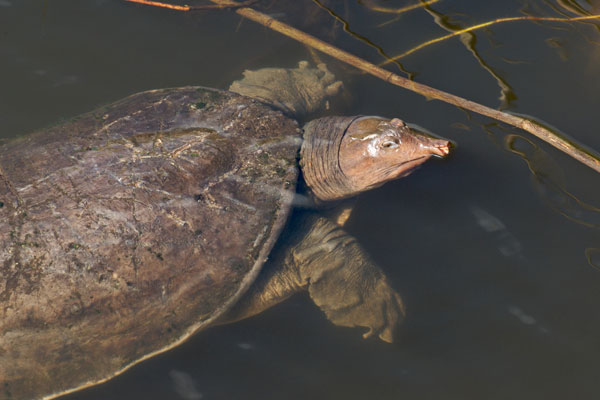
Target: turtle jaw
{"points": [[406, 168], [442, 149], [438, 148], [401, 171]]}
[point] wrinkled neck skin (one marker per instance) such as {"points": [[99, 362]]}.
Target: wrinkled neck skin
{"points": [[319, 158], [343, 156]]}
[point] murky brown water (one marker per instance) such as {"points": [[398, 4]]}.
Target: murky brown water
{"points": [[496, 251]]}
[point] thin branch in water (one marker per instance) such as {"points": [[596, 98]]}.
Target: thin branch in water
{"points": [[159, 4], [484, 25], [540, 23]]}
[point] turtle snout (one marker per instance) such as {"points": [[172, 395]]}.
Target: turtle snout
{"points": [[431, 146], [441, 148]]}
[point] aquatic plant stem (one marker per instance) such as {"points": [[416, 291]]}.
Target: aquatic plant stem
{"points": [[485, 25], [574, 150]]}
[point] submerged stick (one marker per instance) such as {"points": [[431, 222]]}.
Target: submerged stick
{"points": [[567, 146]]}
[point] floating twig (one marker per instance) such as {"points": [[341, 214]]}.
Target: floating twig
{"points": [[185, 7]]}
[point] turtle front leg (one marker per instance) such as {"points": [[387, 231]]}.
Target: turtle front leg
{"points": [[344, 282], [340, 278]]}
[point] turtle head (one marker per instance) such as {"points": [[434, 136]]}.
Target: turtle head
{"points": [[342, 157], [374, 151]]}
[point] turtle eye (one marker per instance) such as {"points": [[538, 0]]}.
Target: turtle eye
{"points": [[390, 143]]}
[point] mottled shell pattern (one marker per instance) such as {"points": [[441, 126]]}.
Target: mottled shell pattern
{"points": [[125, 230]]}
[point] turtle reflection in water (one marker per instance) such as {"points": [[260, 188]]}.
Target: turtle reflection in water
{"points": [[127, 229]]}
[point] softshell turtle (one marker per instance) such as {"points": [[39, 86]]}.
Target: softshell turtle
{"points": [[127, 229]]}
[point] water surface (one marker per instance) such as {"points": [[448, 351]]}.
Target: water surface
{"points": [[495, 251]]}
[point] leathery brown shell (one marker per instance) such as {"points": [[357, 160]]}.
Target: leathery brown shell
{"points": [[125, 230]]}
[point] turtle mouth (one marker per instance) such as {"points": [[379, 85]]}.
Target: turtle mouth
{"points": [[408, 167], [429, 143], [398, 171], [438, 148], [441, 150]]}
